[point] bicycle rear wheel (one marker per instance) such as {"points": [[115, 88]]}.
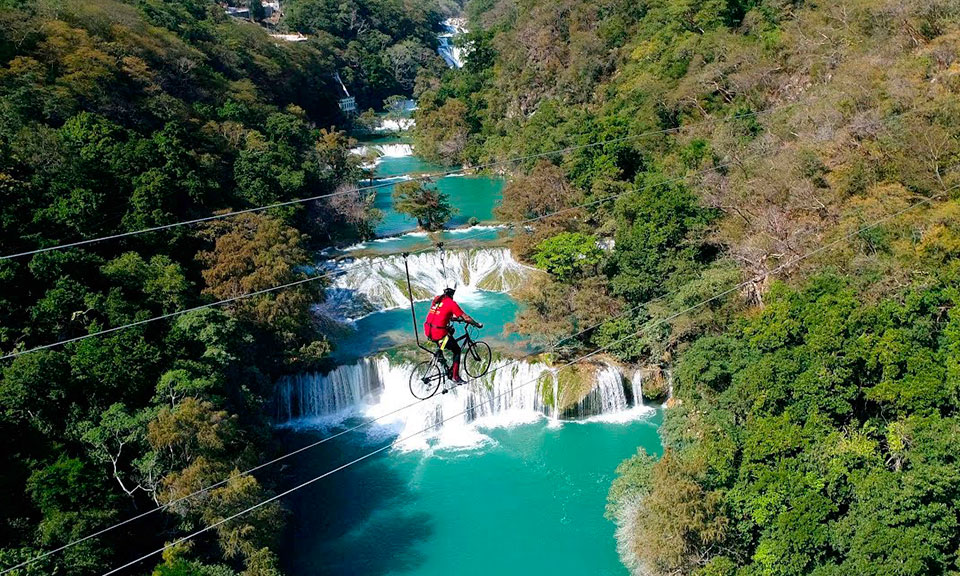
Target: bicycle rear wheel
{"points": [[476, 359], [425, 379]]}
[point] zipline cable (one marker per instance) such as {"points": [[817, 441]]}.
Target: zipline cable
{"points": [[312, 445], [359, 426], [314, 278], [327, 275], [344, 466], [425, 177], [343, 432], [649, 325], [406, 407], [443, 264]]}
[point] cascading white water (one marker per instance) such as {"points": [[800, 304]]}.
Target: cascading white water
{"points": [[342, 85], [606, 397], [335, 393], [556, 396], [637, 383], [609, 390], [378, 388], [379, 283], [395, 125], [385, 150], [381, 151], [452, 54]]}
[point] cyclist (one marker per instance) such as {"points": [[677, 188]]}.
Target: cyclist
{"points": [[438, 327]]}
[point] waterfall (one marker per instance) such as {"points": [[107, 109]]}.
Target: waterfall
{"points": [[379, 388], [453, 55], [606, 397], [395, 150], [342, 85], [378, 283], [637, 383], [395, 125], [336, 393], [381, 151], [556, 396]]}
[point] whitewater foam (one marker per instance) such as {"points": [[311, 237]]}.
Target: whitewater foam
{"points": [[377, 389], [376, 283], [386, 179], [395, 125], [393, 150], [622, 417], [452, 54]]}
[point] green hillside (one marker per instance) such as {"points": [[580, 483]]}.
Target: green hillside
{"points": [[815, 410]]}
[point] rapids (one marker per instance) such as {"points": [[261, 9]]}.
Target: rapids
{"points": [[370, 284]]}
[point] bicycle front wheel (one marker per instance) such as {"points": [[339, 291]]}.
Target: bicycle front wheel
{"points": [[425, 379], [476, 359]]}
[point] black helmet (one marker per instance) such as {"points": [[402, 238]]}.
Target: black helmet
{"points": [[449, 292]]}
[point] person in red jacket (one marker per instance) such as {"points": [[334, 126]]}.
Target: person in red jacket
{"points": [[439, 329]]}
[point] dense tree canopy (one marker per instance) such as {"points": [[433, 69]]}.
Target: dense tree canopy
{"points": [[814, 420], [818, 437], [702, 145], [378, 46], [117, 116]]}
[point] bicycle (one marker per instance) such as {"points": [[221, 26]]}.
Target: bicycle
{"points": [[428, 376]]}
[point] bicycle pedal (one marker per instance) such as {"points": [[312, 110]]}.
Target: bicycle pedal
{"points": [[444, 391]]}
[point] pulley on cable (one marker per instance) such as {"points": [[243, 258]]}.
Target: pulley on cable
{"points": [[443, 267]]}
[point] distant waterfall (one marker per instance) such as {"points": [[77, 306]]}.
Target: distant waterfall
{"points": [[394, 150], [453, 55], [637, 384], [378, 387], [379, 283], [607, 396], [342, 85]]}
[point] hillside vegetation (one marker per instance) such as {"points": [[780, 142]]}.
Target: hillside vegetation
{"points": [[378, 47], [816, 411], [815, 419], [117, 116]]}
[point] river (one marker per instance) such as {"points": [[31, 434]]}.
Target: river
{"points": [[471, 196], [500, 484], [530, 500]]}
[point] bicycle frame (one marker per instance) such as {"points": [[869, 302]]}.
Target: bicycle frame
{"points": [[466, 338], [422, 372], [466, 334]]}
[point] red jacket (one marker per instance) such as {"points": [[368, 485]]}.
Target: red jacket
{"points": [[438, 319]]}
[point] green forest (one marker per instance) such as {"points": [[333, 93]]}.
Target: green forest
{"points": [[378, 47], [814, 417], [801, 157], [118, 116]]}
